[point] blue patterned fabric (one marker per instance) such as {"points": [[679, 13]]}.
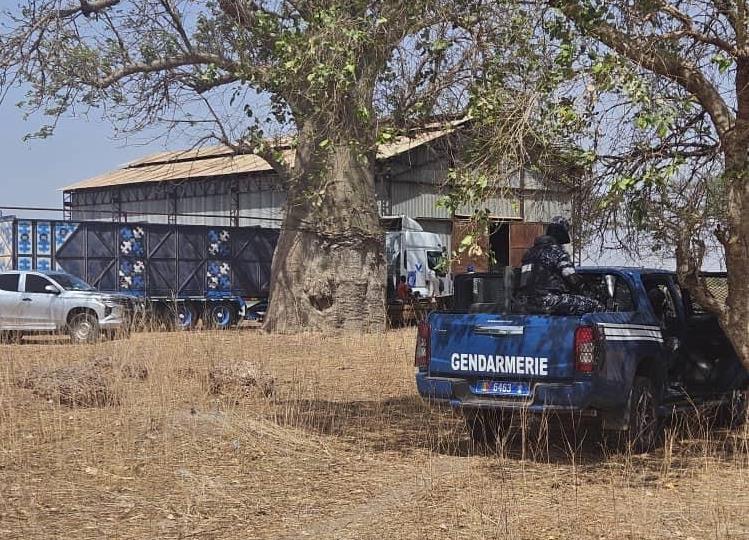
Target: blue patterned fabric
{"points": [[132, 275], [43, 238], [219, 243], [43, 264], [63, 231], [219, 276], [24, 244], [132, 241]]}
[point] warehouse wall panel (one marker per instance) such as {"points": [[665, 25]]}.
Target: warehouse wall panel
{"points": [[542, 206], [444, 228]]}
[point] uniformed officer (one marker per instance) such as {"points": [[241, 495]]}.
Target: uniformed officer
{"points": [[548, 281]]}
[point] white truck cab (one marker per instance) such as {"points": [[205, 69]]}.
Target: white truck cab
{"points": [[50, 302], [418, 256]]}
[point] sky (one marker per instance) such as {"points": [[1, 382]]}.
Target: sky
{"points": [[32, 172]]}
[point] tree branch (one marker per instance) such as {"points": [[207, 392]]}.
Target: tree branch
{"points": [[688, 271], [177, 22], [193, 59], [658, 61], [690, 31], [87, 8]]}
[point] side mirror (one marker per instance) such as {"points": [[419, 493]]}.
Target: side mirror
{"points": [[610, 285], [51, 289]]}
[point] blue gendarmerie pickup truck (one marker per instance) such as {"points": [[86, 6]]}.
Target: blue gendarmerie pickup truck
{"points": [[652, 353]]}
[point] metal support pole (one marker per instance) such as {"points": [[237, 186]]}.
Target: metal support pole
{"points": [[234, 210]]}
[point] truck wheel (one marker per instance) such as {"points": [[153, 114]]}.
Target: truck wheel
{"points": [[185, 316], [83, 328], [644, 429], [484, 426], [220, 316]]}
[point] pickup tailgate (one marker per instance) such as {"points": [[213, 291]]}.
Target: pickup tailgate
{"points": [[502, 347]]}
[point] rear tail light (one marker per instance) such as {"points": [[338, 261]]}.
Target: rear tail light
{"points": [[585, 349], [423, 345]]}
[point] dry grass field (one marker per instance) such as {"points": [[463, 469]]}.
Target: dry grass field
{"points": [[243, 435]]}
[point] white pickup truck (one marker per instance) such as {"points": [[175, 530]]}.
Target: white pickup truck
{"points": [[52, 302]]}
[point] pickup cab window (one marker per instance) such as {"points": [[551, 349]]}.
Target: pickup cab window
{"points": [[483, 292], [623, 299], [71, 283], [493, 292], [9, 282], [37, 284]]}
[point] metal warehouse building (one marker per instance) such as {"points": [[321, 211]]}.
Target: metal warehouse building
{"points": [[213, 186]]}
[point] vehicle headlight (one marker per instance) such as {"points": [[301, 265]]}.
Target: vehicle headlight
{"points": [[110, 307]]}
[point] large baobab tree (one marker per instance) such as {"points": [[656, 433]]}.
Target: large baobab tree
{"points": [[322, 65]]}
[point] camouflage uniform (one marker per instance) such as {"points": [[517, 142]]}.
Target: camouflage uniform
{"points": [[548, 279]]}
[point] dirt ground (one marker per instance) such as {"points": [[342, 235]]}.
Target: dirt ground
{"points": [[332, 442]]}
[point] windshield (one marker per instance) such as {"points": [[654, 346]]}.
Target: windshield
{"points": [[434, 260], [437, 262], [71, 283]]}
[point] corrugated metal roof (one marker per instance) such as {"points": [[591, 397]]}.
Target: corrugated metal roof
{"points": [[403, 144], [164, 171], [181, 155], [220, 160]]}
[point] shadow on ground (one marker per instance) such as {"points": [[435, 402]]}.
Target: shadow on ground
{"points": [[406, 424]]}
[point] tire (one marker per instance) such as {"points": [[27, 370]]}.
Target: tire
{"points": [[645, 427], [733, 415], [83, 328], [220, 316], [185, 316], [484, 426]]}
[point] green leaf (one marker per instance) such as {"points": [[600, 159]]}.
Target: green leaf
{"points": [[386, 136], [363, 113], [722, 62], [439, 45]]}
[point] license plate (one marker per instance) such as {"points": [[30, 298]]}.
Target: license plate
{"points": [[501, 388]]}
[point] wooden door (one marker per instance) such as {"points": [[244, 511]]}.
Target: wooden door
{"points": [[522, 236]]}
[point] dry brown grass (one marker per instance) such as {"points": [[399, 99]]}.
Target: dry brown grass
{"points": [[341, 448]]}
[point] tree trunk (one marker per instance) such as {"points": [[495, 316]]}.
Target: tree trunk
{"points": [[328, 270], [735, 319]]}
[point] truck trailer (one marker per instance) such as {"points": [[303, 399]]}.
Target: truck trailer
{"points": [[181, 274]]}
